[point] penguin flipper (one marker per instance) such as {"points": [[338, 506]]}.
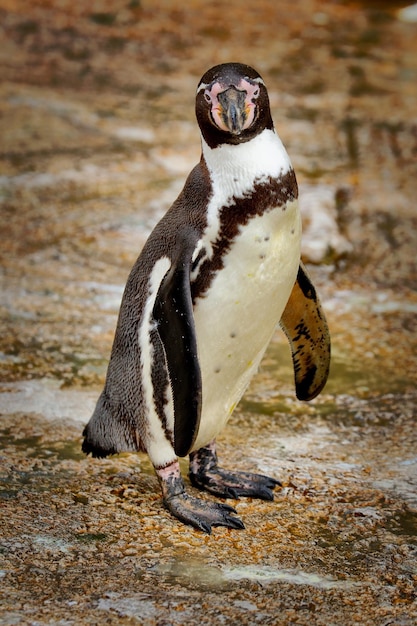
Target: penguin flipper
{"points": [[173, 313], [304, 323]]}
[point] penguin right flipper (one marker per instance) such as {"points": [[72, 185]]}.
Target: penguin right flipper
{"points": [[173, 313], [305, 325]]}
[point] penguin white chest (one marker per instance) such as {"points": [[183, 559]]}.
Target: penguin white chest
{"points": [[237, 316]]}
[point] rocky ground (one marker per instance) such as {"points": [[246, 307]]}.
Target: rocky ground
{"points": [[97, 135]]}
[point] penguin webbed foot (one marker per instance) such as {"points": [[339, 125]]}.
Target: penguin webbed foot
{"points": [[199, 513], [205, 474], [227, 484]]}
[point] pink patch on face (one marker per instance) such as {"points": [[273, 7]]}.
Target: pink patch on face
{"points": [[252, 92], [211, 96]]}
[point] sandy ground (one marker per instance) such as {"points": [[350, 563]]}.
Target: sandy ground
{"points": [[97, 135]]}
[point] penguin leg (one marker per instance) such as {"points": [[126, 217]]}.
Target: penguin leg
{"points": [[199, 513], [205, 474]]}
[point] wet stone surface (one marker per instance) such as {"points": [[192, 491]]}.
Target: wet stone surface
{"points": [[97, 135]]}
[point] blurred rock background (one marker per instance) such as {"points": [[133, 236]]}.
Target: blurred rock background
{"points": [[97, 134]]}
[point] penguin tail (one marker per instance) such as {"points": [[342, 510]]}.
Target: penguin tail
{"points": [[108, 433], [91, 448]]}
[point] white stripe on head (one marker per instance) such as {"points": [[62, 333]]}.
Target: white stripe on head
{"points": [[202, 86], [259, 81]]}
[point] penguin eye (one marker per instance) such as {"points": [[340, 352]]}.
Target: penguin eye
{"points": [[207, 96], [256, 93]]}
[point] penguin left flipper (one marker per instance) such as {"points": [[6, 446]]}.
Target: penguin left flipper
{"points": [[305, 326], [173, 313]]}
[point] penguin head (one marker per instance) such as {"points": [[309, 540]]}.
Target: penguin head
{"points": [[232, 104]]}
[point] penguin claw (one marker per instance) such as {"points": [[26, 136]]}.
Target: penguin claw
{"points": [[201, 514]]}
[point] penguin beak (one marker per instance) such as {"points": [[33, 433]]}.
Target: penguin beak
{"points": [[233, 111]]}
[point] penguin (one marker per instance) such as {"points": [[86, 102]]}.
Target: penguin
{"points": [[217, 275]]}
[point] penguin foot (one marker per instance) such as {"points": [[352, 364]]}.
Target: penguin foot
{"points": [[205, 474], [227, 484], [199, 513]]}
